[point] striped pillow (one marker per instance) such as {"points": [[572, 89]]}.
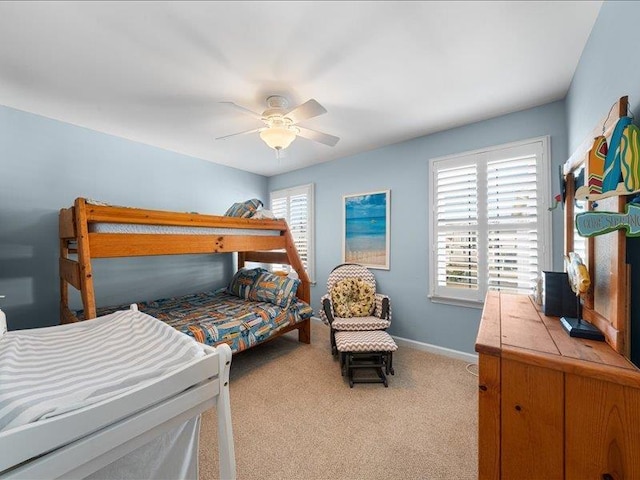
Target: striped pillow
{"points": [[243, 281], [244, 209], [274, 289]]}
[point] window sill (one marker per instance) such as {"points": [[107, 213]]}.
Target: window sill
{"points": [[458, 302]]}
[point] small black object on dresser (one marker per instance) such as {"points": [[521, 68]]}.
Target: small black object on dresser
{"points": [[558, 300]]}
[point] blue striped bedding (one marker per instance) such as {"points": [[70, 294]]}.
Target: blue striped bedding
{"points": [[218, 317]]}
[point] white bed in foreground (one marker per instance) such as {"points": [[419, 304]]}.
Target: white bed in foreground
{"points": [[119, 396]]}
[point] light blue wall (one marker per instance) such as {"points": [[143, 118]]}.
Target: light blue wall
{"points": [[608, 69], [403, 168], [45, 164]]}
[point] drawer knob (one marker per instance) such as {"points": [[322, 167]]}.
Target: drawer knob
{"points": [[518, 407], [483, 388], [607, 476]]}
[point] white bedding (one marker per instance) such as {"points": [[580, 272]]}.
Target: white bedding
{"points": [[50, 371], [175, 230], [89, 398]]}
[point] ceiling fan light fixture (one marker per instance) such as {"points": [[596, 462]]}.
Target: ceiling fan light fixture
{"points": [[278, 138], [281, 124]]}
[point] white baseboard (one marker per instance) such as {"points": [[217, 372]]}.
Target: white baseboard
{"points": [[427, 347]]}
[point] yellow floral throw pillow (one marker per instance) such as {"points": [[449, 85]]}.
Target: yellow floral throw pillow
{"points": [[352, 297]]}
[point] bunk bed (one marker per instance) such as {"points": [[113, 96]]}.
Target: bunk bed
{"points": [[88, 231]]}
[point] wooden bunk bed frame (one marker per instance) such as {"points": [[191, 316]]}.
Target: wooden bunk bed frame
{"points": [[76, 240]]}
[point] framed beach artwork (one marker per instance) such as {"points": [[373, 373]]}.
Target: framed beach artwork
{"points": [[366, 229]]}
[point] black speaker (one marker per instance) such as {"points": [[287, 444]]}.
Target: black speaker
{"points": [[558, 300]]}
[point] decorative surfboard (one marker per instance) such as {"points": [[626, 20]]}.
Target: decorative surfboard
{"points": [[619, 174], [590, 224], [597, 156], [630, 158]]}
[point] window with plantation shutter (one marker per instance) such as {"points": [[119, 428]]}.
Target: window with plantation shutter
{"points": [[457, 227], [579, 242], [489, 222], [295, 205]]}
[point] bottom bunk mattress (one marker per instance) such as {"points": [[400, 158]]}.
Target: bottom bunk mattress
{"points": [[219, 317]]}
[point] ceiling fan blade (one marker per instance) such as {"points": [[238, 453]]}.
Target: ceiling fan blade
{"points": [[318, 136], [244, 110], [239, 133], [308, 109]]}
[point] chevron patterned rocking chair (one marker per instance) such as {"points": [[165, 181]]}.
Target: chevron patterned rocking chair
{"points": [[369, 312]]}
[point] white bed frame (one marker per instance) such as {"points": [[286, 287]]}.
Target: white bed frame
{"points": [[79, 443]]}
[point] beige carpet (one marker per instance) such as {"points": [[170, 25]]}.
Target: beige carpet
{"points": [[295, 417]]}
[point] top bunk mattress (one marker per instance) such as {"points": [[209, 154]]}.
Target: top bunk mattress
{"points": [[217, 317], [101, 227], [47, 372]]}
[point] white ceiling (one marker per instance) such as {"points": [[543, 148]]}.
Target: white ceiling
{"points": [[155, 72]]}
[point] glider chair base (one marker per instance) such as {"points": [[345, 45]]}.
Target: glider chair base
{"points": [[366, 350]]}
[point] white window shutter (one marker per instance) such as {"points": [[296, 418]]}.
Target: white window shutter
{"points": [[490, 230], [580, 243], [512, 217], [295, 205], [279, 207], [456, 222]]}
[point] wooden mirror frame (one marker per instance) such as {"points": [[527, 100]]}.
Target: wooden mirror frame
{"points": [[606, 304]]}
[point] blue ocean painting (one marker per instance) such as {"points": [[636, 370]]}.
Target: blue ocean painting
{"points": [[366, 229]]}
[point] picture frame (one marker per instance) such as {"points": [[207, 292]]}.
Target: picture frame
{"points": [[366, 228]]}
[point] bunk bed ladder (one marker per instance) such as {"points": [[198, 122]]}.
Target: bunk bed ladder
{"points": [[73, 228]]}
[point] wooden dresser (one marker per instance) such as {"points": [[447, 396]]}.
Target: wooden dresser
{"points": [[552, 406]]}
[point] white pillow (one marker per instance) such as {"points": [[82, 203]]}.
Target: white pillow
{"points": [[263, 213]]}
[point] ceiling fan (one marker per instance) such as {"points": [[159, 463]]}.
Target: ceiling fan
{"points": [[281, 123]]}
